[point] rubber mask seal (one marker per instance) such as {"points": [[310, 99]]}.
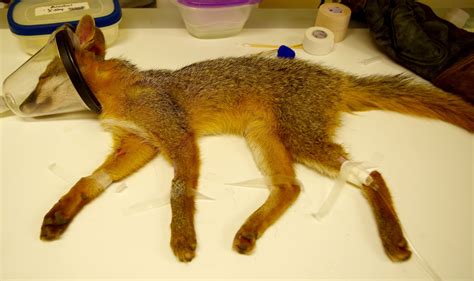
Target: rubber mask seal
{"points": [[66, 54]]}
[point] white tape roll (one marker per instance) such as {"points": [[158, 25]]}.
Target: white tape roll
{"points": [[457, 17], [318, 41], [336, 17]]}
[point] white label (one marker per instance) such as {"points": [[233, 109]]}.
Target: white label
{"points": [[61, 8]]}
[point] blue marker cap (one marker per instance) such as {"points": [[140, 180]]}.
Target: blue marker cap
{"points": [[285, 52]]}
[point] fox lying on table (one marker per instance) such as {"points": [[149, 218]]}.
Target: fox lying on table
{"points": [[287, 111]]}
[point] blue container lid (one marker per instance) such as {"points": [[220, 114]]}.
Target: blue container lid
{"points": [[34, 17], [216, 3]]}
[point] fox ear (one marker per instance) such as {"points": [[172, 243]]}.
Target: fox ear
{"points": [[90, 37]]}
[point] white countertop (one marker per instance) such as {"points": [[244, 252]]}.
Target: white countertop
{"points": [[428, 165]]}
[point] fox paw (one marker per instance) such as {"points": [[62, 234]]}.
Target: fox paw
{"points": [[244, 241], [184, 246], [397, 251], [54, 224]]}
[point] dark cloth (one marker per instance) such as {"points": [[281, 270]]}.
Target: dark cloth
{"points": [[412, 35]]}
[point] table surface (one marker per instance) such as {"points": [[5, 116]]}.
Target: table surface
{"points": [[428, 165]]}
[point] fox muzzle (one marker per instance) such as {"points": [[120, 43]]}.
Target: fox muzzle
{"points": [[50, 82]]}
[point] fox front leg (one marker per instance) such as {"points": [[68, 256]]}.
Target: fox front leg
{"points": [[130, 153], [185, 160]]}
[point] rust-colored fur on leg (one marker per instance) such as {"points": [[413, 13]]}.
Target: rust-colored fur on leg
{"points": [[389, 226], [183, 236], [60, 216], [275, 163], [183, 191], [281, 197], [130, 154]]}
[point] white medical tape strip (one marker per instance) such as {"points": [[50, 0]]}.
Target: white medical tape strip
{"points": [[102, 179], [353, 172], [359, 173], [61, 173], [121, 187], [146, 205], [156, 203], [253, 183], [204, 197], [267, 182], [370, 60]]}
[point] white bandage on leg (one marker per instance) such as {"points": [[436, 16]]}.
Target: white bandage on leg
{"points": [[357, 173], [102, 179]]}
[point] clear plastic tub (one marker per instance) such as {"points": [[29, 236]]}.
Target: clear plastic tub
{"points": [[32, 21], [215, 18]]}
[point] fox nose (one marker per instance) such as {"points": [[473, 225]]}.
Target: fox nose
{"points": [[30, 104]]}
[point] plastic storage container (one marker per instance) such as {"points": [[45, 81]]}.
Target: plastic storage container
{"points": [[215, 18], [32, 21]]}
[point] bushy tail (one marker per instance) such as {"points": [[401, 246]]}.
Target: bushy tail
{"points": [[401, 94]]}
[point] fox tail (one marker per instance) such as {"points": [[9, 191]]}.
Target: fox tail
{"points": [[402, 94]]}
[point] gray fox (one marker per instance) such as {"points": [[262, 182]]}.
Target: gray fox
{"points": [[287, 111]]}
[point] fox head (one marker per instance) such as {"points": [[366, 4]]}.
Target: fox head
{"points": [[53, 92]]}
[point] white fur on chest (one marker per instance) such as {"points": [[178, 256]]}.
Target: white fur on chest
{"points": [[112, 125]]}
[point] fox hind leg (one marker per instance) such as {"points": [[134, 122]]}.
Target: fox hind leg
{"points": [[389, 227], [276, 164], [328, 160], [130, 153]]}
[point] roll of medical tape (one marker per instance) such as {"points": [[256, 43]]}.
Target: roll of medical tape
{"points": [[318, 41], [336, 17]]}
